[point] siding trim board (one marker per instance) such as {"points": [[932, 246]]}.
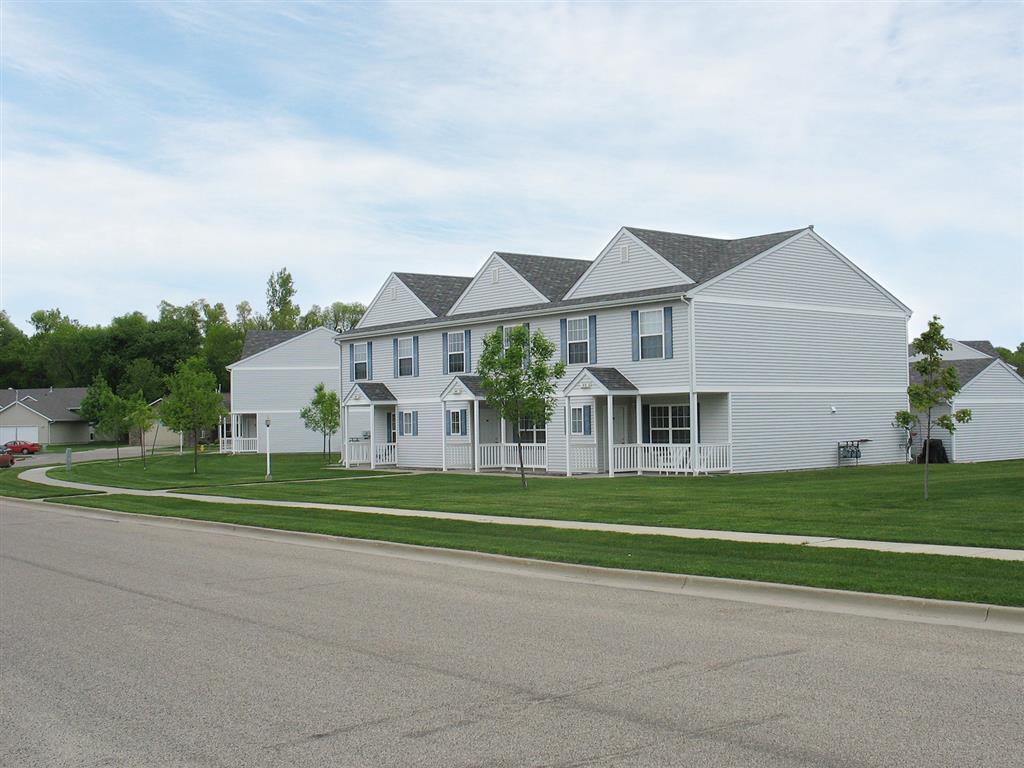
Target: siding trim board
{"points": [[792, 305]]}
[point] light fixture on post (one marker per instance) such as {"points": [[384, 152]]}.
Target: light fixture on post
{"points": [[268, 447]]}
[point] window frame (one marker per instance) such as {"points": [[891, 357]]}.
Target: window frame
{"points": [[356, 362], [461, 353], [572, 421], [669, 427], [641, 335], [532, 431], [454, 422], [410, 357], [569, 341], [406, 424]]}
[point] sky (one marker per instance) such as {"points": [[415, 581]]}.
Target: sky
{"points": [[172, 151]]}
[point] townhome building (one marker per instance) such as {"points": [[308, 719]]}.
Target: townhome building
{"points": [[684, 354]]}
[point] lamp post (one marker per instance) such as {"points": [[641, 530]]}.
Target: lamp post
{"points": [[268, 447]]}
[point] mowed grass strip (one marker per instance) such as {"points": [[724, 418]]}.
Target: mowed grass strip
{"points": [[12, 485], [930, 576], [173, 471], [971, 504]]}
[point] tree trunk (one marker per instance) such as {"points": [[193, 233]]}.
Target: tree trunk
{"points": [[927, 449], [142, 447], [330, 454], [522, 469], [195, 451], [117, 448]]}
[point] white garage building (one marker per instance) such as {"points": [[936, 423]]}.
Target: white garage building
{"points": [[47, 415]]}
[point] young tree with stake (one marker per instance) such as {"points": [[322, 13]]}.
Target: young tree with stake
{"points": [[106, 411], [938, 386], [323, 415], [192, 402], [519, 379]]}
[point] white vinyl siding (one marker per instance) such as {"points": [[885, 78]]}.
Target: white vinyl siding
{"points": [[486, 292], [394, 304], [643, 270], [996, 429]]}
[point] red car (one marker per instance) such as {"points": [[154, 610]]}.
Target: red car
{"points": [[20, 446]]}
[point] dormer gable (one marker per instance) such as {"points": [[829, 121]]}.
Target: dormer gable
{"points": [[626, 264], [395, 302], [497, 285]]}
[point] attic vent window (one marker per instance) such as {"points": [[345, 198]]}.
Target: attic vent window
{"points": [[624, 254], [394, 292], [494, 275]]}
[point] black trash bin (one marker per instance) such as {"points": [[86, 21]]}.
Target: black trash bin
{"points": [[936, 453]]}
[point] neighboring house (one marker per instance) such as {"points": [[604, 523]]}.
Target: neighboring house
{"points": [[274, 379], [46, 416], [994, 392], [160, 436], [684, 354]]}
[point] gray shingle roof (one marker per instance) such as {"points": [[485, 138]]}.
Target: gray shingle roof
{"points": [[55, 404], [612, 379], [702, 258], [437, 292], [376, 392], [472, 383], [550, 275], [260, 341], [965, 369], [985, 347]]}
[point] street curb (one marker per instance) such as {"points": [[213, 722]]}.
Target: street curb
{"points": [[898, 607]]}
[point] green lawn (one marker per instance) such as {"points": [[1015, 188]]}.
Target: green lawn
{"points": [[930, 576], [173, 471], [11, 485], [971, 504]]}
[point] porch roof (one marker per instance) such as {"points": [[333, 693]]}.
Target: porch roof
{"points": [[373, 391], [607, 380], [474, 387]]}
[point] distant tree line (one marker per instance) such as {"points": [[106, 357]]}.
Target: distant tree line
{"points": [[136, 354]]}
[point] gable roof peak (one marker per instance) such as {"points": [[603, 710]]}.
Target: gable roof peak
{"points": [[552, 276], [437, 292]]}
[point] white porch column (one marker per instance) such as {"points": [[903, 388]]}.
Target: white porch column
{"points": [[444, 438], [502, 451], [568, 430], [476, 435], [694, 457], [234, 433], [344, 434], [639, 434], [373, 436], [729, 427], [611, 434]]}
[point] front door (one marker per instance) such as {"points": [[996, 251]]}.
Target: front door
{"points": [[392, 417], [621, 427]]}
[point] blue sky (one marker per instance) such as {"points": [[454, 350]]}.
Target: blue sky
{"points": [[181, 150]]}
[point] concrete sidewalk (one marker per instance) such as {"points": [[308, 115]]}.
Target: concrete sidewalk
{"points": [[38, 475]]}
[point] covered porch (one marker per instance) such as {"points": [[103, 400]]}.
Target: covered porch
{"points": [[238, 433], [614, 429], [369, 426], [476, 438]]}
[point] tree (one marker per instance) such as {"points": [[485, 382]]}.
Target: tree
{"points": [[105, 411], [192, 402], [937, 387], [282, 312], [323, 414], [138, 416], [17, 355], [519, 379], [142, 377], [342, 316], [222, 343], [1014, 358]]}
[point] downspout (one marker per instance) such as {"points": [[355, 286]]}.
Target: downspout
{"points": [[343, 459], [692, 351]]}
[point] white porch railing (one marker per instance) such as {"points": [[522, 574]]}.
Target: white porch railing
{"points": [[715, 458], [239, 444], [664, 457], [624, 457], [225, 445], [357, 452], [583, 457], [506, 455], [459, 455], [386, 453], [668, 458]]}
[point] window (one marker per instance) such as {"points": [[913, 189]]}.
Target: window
{"points": [[652, 334], [532, 433], [393, 426], [406, 422], [456, 352], [576, 420], [578, 336], [359, 361], [670, 423], [455, 422], [405, 356], [506, 336]]}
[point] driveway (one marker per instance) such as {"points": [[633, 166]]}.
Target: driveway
{"points": [[129, 644]]}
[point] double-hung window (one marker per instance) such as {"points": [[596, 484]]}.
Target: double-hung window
{"points": [[576, 420], [529, 432], [670, 423], [652, 334], [455, 422], [578, 337], [359, 365], [405, 356], [406, 417], [456, 353]]}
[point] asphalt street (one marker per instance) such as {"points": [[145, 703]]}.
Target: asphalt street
{"points": [[125, 644]]}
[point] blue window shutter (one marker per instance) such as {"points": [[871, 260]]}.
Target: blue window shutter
{"points": [[351, 362], [668, 332], [394, 354], [415, 355], [401, 424], [447, 422], [586, 419], [415, 423], [469, 351], [593, 339], [565, 340], [444, 353], [462, 422], [369, 360], [634, 321], [646, 417]]}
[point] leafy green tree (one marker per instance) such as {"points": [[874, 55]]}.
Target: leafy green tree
{"points": [[105, 411], [323, 415], [282, 311], [17, 355], [938, 386], [247, 320], [142, 377], [192, 402], [222, 343], [68, 354], [1013, 357], [519, 379], [139, 417]]}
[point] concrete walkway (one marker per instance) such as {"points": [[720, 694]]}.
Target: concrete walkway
{"points": [[38, 475]]}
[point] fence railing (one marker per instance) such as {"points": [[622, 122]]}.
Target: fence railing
{"points": [[669, 457], [715, 457], [583, 457], [459, 455], [357, 452], [239, 444], [386, 453]]}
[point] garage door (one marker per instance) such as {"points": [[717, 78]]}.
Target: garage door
{"points": [[29, 434]]}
